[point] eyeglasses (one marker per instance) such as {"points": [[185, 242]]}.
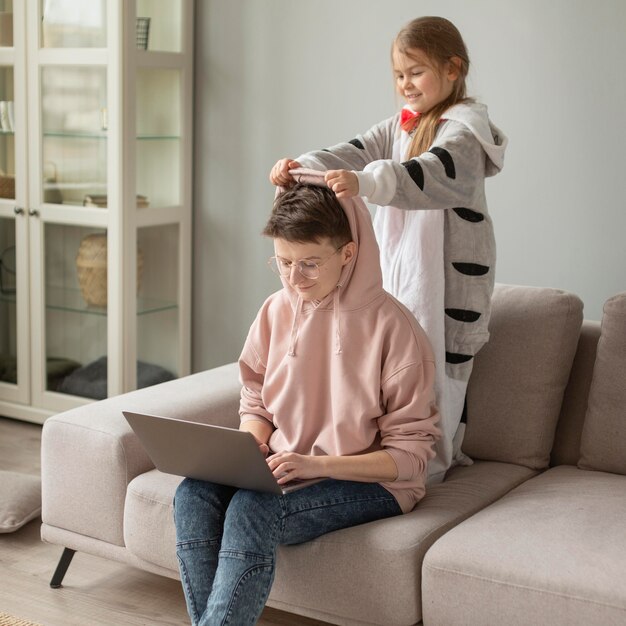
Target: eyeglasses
{"points": [[309, 269]]}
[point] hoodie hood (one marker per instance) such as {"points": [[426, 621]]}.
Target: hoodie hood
{"points": [[492, 139], [361, 280]]}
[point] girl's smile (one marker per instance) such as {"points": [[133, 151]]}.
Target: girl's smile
{"points": [[418, 81]]}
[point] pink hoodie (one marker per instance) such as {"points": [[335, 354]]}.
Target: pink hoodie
{"points": [[351, 374]]}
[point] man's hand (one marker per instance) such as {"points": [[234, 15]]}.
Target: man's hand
{"points": [[261, 430], [344, 183], [280, 175], [372, 467], [288, 465]]}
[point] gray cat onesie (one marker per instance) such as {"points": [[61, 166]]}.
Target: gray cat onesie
{"points": [[436, 240]]}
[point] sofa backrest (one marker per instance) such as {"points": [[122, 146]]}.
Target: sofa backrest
{"points": [[566, 449], [603, 440], [516, 389]]}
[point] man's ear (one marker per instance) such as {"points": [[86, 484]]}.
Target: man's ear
{"points": [[348, 252], [454, 68]]}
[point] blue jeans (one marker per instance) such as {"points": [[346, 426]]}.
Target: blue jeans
{"points": [[226, 538]]}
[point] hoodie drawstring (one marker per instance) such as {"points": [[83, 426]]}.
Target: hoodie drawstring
{"points": [[295, 327], [336, 320]]}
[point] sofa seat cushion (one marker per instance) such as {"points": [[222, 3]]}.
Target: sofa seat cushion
{"points": [[148, 518], [382, 560], [380, 563], [553, 551]]}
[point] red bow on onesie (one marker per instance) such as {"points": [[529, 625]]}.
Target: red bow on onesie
{"points": [[409, 120]]}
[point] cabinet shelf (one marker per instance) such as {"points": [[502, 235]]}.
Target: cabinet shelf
{"points": [[71, 300], [75, 134], [98, 135], [158, 137]]}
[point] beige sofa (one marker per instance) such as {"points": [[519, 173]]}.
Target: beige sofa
{"points": [[553, 550], [520, 536]]}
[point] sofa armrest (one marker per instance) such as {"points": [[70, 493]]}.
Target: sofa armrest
{"points": [[89, 454]]}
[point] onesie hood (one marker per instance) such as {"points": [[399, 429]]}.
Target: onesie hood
{"points": [[474, 115]]}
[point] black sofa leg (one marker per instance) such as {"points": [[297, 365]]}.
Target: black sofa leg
{"points": [[64, 563]]}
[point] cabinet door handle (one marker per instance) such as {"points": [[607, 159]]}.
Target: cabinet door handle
{"points": [[18, 210], [33, 212]]}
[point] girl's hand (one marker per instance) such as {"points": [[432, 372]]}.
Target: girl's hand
{"points": [[344, 183], [280, 175], [288, 465]]}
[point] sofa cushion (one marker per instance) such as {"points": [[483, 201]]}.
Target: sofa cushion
{"points": [[553, 551], [149, 518], [371, 556], [566, 448], [519, 377], [604, 433], [20, 500], [383, 559]]}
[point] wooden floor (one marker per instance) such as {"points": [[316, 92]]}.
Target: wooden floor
{"points": [[96, 591]]}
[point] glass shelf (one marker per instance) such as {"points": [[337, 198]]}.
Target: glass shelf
{"points": [[102, 135], [158, 138], [75, 135], [71, 300]]}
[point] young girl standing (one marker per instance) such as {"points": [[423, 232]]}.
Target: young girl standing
{"points": [[425, 168]]}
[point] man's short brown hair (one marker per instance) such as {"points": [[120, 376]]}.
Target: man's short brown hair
{"points": [[308, 213]]}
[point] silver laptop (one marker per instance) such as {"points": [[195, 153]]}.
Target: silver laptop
{"points": [[214, 453]]}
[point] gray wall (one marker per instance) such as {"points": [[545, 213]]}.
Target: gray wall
{"points": [[275, 78]]}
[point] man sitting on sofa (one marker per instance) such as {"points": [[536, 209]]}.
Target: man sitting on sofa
{"points": [[337, 384]]}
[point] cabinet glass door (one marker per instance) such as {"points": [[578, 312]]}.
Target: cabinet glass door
{"points": [[76, 310], [74, 129], [6, 23], [157, 304], [158, 138], [7, 134], [73, 23], [9, 316], [159, 25], [8, 309]]}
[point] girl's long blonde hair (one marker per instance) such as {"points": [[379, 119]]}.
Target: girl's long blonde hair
{"points": [[440, 41]]}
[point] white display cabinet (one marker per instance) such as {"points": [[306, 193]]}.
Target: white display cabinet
{"points": [[95, 199]]}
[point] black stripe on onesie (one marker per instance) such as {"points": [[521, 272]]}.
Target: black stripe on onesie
{"points": [[463, 315], [471, 269], [455, 358], [415, 172], [469, 215], [446, 161]]}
